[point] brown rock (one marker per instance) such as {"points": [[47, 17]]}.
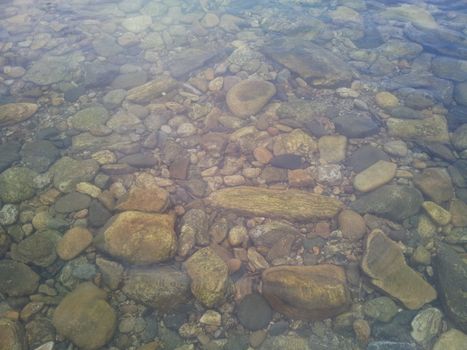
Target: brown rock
{"points": [[153, 89], [139, 238], [384, 263], [73, 242], [12, 113], [209, 275], [11, 335], [436, 184], [351, 224], [248, 97], [85, 317], [262, 155], [179, 168], [151, 199], [458, 210], [287, 204], [299, 178], [306, 292]]}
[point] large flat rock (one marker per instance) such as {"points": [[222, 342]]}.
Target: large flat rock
{"points": [[287, 204], [384, 263]]}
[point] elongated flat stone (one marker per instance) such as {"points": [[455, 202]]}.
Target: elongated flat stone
{"points": [[287, 204], [384, 263], [306, 292], [153, 89]]}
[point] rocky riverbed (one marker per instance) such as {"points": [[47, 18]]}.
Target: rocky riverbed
{"points": [[233, 175]]}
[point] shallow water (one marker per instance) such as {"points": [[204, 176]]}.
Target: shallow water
{"points": [[233, 174]]}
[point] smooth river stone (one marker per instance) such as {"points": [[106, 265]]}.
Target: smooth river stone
{"points": [[151, 90], [287, 204], [248, 97], [375, 176], [306, 292], [384, 263], [12, 113], [209, 277], [139, 238], [432, 129], [85, 317]]}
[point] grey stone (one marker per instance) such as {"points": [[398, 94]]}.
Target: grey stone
{"points": [[17, 184], [39, 155], [51, 69], [38, 249], [436, 184], [17, 278], [162, 288], [460, 93], [394, 202], [254, 312], [68, 172], [427, 325], [451, 275], [189, 60], [366, 156], [8, 214], [449, 68], [73, 201], [286, 342], [9, 153], [382, 309], [356, 125], [313, 63]]}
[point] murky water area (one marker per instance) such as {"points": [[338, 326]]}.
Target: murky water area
{"points": [[233, 174]]}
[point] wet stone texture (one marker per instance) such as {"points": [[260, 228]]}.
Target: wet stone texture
{"points": [[233, 175]]}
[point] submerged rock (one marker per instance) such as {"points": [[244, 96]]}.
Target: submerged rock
{"points": [[287, 204], [39, 155], [254, 312], [9, 153], [151, 90], [139, 238], [38, 248], [17, 279], [432, 129], [17, 184], [12, 335], [148, 199], [375, 176], [286, 342], [451, 273], [12, 113], [52, 69], [451, 340], [384, 263], [89, 119], [68, 172], [209, 277], [306, 292], [412, 13], [162, 287], [248, 97], [436, 184], [313, 63], [85, 317], [394, 202]]}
